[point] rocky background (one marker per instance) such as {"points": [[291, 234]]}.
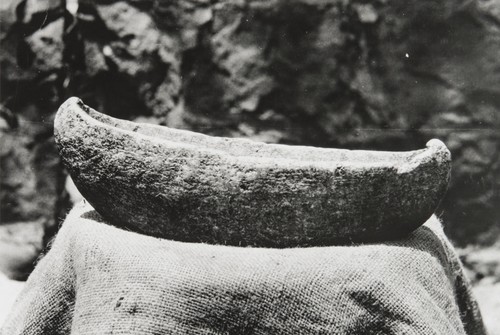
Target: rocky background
{"points": [[381, 74]]}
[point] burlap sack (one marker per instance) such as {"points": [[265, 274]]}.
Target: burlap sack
{"points": [[98, 279]]}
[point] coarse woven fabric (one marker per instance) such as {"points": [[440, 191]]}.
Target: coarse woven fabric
{"points": [[99, 279]]}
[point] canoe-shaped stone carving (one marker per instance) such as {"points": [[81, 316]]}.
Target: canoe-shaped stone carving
{"points": [[186, 186]]}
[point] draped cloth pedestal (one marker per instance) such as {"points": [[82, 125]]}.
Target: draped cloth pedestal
{"points": [[99, 279]]}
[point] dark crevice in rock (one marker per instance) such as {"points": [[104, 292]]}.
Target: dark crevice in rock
{"points": [[9, 117], [41, 20], [110, 89], [92, 26], [73, 54], [37, 21], [203, 87], [20, 9], [24, 56], [143, 5], [117, 85]]}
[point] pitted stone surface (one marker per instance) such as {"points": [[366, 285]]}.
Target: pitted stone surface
{"points": [[191, 187]]}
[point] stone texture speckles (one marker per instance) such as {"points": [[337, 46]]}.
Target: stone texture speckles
{"points": [[191, 187]]}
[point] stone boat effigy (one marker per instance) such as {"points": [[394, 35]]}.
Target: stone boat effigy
{"points": [[191, 187]]}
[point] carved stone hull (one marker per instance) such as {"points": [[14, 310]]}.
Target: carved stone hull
{"points": [[186, 186]]}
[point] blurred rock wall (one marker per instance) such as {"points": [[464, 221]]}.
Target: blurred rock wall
{"points": [[383, 74]]}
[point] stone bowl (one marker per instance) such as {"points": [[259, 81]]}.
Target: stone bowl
{"points": [[186, 186]]}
